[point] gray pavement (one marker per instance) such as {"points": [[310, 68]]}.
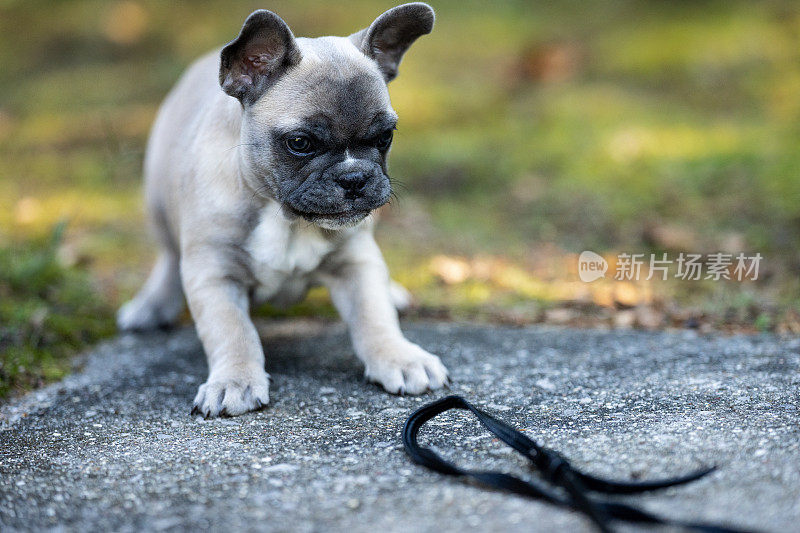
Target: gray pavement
{"points": [[113, 447]]}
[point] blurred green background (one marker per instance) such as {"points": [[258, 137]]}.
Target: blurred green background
{"points": [[529, 131]]}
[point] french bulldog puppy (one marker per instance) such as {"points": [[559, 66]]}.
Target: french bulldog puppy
{"points": [[263, 167]]}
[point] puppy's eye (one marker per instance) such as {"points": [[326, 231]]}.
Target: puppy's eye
{"points": [[299, 145], [383, 140]]}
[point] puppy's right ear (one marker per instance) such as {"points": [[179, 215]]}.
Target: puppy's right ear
{"points": [[264, 49]]}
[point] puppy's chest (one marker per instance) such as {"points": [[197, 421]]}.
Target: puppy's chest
{"points": [[284, 257]]}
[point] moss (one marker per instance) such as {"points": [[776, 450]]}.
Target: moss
{"points": [[48, 312]]}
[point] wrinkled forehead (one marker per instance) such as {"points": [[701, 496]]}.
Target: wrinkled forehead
{"points": [[334, 87]]}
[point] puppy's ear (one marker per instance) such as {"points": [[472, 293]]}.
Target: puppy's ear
{"points": [[388, 38], [264, 49]]}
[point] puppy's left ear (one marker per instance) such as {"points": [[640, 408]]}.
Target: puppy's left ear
{"points": [[388, 38]]}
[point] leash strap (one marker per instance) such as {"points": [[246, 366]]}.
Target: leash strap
{"points": [[573, 488]]}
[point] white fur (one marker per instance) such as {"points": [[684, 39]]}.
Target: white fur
{"points": [[284, 256]]}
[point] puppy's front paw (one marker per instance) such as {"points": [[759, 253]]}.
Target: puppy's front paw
{"points": [[406, 369], [231, 395]]}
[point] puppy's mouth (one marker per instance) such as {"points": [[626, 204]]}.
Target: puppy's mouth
{"points": [[330, 220]]}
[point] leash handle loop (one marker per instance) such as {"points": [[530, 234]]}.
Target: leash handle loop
{"points": [[573, 488]]}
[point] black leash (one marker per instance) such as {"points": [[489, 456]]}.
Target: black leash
{"points": [[576, 486]]}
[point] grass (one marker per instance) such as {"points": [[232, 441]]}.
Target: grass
{"points": [[528, 133], [48, 311]]}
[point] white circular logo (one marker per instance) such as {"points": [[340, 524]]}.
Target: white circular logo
{"points": [[591, 266]]}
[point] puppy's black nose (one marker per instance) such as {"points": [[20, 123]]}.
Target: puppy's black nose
{"points": [[352, 181]]}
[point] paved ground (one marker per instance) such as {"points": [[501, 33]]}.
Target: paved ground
{"points": [[114, 448]]}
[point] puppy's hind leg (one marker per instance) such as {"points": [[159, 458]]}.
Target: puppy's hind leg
{"points": [[400, 296], [159, 302]]}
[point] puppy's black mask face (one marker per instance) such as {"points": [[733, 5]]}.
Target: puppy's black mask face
{"points": [[331, 169], [322, 154]]}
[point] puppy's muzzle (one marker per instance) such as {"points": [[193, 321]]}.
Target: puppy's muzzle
{"points": [[345, 191], [353, 183]]}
